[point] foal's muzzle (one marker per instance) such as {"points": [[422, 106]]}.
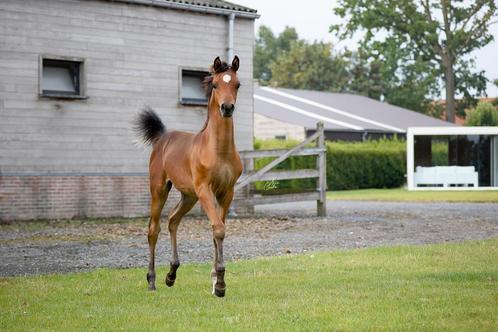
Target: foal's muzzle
{"points": [[227, 110]]}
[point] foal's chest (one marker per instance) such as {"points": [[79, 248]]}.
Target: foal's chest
{"points": [[224, 171], [224, 175]]}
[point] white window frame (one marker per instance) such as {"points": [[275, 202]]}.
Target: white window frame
{"points": [[81, 94], [441, 131]]}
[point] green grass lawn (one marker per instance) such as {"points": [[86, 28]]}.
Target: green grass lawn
{"points": [[436, 287], [403, 195]]}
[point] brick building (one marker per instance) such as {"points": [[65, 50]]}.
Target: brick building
{"points": [[73, 74]]}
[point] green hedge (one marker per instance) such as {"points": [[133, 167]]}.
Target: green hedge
{"points": [[371, 164], [350, 165]]}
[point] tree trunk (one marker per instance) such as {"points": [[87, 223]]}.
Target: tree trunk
{"points": [[449, 78], [448, 61]]}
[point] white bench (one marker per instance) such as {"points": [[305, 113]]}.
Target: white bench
{"points": [[446, 176]]}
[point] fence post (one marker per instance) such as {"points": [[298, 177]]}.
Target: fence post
{"points": [[248, 168], [321, 165]]}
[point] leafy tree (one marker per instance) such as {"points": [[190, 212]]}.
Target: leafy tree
{"points": [[268, 48], [422, 40], [382, 78], [495, 101], [485, 114], [310, 66], [365, 76], [288, 61]]}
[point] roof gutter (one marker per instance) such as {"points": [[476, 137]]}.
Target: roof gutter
{"points": [[191, 7]]}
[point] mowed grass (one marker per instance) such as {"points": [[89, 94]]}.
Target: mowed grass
{"points": [[435, 287], [403, 195]]}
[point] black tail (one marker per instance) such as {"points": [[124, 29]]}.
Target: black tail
{"points": [[148, 126]]}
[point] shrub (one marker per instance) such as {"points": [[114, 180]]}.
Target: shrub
{"points": [[485, 114], [350, 165], [371, 164]]}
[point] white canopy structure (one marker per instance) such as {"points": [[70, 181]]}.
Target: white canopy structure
{"points": [[452, 158]]}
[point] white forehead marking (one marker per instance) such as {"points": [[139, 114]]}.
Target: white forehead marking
{"points": [[227, 78]]}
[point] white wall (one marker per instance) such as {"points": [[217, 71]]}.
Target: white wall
{"points": [[267, 128]]}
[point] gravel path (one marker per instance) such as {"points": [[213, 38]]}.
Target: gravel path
{"points": [[46, 247]]}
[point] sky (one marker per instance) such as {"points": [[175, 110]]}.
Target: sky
{"points": [[312, 19]]}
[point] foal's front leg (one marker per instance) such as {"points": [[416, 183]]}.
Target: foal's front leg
{"points": [[208, 203], [224, 202]]}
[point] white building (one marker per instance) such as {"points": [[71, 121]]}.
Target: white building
{"points": [[452, 158]]}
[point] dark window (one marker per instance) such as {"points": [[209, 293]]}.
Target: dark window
{"points": [[280, 137], [61, 78], [192, 89]]}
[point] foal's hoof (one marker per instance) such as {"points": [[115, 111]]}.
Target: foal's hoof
{"points": [[220, 292], [169, 281], [151, 279]]}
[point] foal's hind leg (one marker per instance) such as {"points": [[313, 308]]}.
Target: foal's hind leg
{"points": [[184, 206], [159, 195]]}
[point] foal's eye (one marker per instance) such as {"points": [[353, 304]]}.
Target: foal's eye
{"points": [[215, 86], [238, 85]]}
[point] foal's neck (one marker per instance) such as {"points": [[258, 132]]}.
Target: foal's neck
{"points": [[219, 131]]}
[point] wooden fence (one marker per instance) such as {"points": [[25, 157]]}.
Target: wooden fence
{"points": [[266, 174]]}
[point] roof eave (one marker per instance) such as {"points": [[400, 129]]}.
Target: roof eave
{"points": [[449, 130], [192, 7]]}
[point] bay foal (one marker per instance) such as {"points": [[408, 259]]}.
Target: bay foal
{"points": [[202, 166]]}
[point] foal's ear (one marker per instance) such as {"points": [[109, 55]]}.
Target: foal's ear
{"points": [[235, 63], [216, 64]]}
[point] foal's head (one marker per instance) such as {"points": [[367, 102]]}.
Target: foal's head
{"points": [[222, 85]]}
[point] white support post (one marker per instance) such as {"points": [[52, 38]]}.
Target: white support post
{"points": [[410, 156], [494, 161]]}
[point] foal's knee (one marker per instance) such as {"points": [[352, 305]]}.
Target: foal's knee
{"points": [[154, 230], [219, 231], [172, 225]]}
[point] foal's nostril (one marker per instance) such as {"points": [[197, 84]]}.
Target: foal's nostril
{"points": [[228, 107], [226, 110]]}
